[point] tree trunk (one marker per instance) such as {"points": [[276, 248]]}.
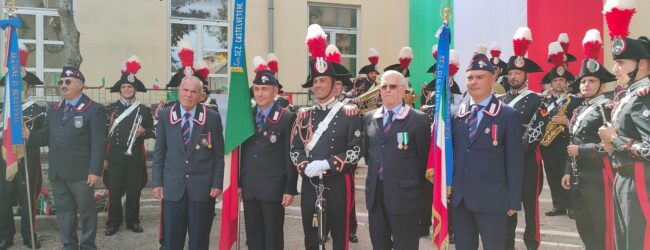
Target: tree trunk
{"points": [[70, 34]]}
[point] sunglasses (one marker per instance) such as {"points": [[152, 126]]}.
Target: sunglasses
{"points": [[66, 82], [389, 86]]}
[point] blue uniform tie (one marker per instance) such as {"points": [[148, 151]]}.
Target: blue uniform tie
{"points": [[66, 111], [186, 129], [472, 120]]}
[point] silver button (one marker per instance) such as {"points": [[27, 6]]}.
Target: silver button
{"points": [[187, 176], [187, 162]]}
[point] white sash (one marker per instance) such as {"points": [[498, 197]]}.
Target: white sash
{"points": [[122, 116], [519, 97], [322, 126], [556, 102], [582, 115]]}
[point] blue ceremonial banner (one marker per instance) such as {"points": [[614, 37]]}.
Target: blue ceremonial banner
{"points": [[443, 98], [13, 85], [237, 56]]}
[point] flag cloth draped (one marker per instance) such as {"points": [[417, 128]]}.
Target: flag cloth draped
{"points": [[441, 154], [239, 127], [156, 84], [12, 117]]}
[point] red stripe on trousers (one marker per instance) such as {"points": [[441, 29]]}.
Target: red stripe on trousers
{"points": [[639, 178], [538, 158], [608, 185]]}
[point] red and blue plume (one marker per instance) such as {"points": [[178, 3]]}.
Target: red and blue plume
{"points": [[373, 56], [618, 14], [495, 49], [259, 64], [24, 54], [332, 54], [592, 44], [185, 53], [521, 41], [202, 69], [132, 65], [405, 57], [272, 62], [556, 53], [316, 41]]}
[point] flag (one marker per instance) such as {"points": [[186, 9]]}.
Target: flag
{"points": [[103, 83], [12, 117], [441, 151], [239, 127], [156, 84]]}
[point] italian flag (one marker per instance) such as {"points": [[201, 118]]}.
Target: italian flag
{"points": [[239, 127], [483, 22], [156, 84]]}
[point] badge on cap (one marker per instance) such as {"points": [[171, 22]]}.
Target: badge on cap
{"points": [[188, 71], [618, 46], [265, 79], [592, 66], [320, 65], [495, 60], [482, 64], [130, 78], [68, 73], [646, 113], [560, 71], [520, 62]]}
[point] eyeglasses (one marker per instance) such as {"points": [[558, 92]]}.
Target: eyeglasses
{"points": [[66, 81], [389, 86]]}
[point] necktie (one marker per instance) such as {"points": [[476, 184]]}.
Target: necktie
{"points": [[389, 122], [472, 120], [186, 129], [66, 111], [260, 121]]}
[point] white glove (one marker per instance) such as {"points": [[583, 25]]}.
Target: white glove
{"points": [[316, 167]]}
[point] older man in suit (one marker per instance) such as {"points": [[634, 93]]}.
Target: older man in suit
{"points": [[488, 163], [397, 142], [76, 136], [188, 167]]}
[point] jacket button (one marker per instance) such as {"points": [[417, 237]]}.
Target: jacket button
{"points": [[255, 156], [187, 162], [188, 176], [467, 150]]}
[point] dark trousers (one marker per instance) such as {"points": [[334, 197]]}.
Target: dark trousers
{"points": [[7, 228], [353, 206], [469, 225], [264, 224], [72, 198], [193, 218], [628, 216], [20, 189], [391, 231], [125, 175], [555, 158], [532, 187], [589, 209], [337, 199], [424, 219]]}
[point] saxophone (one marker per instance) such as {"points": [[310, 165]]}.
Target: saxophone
{"points": [[554, 129]]}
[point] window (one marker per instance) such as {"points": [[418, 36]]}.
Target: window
{"points": [[41, 34], [340, 25], [204, 23]]}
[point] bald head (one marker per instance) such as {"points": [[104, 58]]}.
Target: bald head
{"points": [[190, 92]]}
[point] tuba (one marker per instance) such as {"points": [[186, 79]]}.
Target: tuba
{"points": [[368, 100], [554, 129]]}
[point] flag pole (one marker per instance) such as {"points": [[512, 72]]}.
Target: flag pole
{"points": [[238, 201], [29, 199]]}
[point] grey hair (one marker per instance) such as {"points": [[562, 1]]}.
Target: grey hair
{"points": [[193, 78], [390, 73]]}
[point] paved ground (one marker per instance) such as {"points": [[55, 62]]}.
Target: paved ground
{"points": [[557, 232]]}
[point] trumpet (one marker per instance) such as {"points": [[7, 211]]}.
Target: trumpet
{"points": [[134, 129]]}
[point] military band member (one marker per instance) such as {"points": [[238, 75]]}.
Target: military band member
{"points": [[502, 85], [526, 102], [326, 140], [363, 84], [559, 105], [268, 178], [627, 138], [187, 171], [588, 194], [130, 123], [397, 139], [75, 133], [17, 188], [484, 195]]}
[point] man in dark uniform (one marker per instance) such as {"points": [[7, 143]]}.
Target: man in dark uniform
{"points": [[558, 108], [268, 178], [188, 167], [125, 167], [76, 137], [627, 138], [35, 114], [502, 85], [396, 145], [484, 195], [586, 168], [328, 142], [526, 102], [363, 84]]}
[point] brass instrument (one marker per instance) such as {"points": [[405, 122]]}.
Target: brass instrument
{"points": [[368, 100], [134, 129], [410, 97], [554, 129]]}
